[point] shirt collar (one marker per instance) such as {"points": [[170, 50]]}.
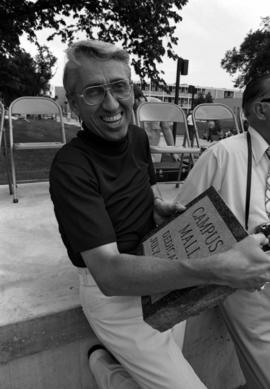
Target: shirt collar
{"points": [[259, 145]]}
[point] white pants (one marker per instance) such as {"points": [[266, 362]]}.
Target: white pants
{"points": [[247, 316], [153, 359]]}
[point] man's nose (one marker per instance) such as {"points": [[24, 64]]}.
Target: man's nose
{"points": [[110, 102]]}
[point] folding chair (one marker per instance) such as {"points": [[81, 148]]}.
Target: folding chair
{"points": [[242, 121], [219, 113], [3, 143], [2, 118], [168, 112], [27, 117]]}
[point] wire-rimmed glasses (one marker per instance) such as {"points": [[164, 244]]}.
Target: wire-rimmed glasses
{"points": [[95, 94]]}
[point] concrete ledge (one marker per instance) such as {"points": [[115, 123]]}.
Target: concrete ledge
{"points": [[36, 335]]}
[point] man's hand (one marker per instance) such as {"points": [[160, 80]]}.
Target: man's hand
{"points": [[164, 209], [245, 265]]}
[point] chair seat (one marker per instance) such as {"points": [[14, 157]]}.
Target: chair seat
{"points": [[175, 149], [37, 145]]}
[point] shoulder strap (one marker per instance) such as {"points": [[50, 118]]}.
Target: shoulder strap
{"points": [[248, 188]]}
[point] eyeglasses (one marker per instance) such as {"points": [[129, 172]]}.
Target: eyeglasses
{"points": [[265, 100], [94, 95]]}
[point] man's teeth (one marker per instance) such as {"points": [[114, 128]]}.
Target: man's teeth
{"points": [[112, 118]]}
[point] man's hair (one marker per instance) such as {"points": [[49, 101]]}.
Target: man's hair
{"points": [[254, 89], [90, 49]]}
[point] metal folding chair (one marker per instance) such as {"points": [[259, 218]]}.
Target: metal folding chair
{"points": [[32, 110], [169, 112], [3, 143], [2, 118], [219, 113], [242, 121]]}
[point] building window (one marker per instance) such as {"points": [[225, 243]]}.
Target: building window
{"points": [[228, 93]]}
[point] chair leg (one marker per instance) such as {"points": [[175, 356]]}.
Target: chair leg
{"points": [[5, 153], [13, 175], [180, 170]]}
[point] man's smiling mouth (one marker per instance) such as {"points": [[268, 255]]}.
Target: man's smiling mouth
{"points": [[112, 118]]}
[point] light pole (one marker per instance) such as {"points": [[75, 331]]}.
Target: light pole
{"points": [[182, 68]]}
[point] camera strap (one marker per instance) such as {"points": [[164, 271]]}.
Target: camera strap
{"points": [[248, 188]]}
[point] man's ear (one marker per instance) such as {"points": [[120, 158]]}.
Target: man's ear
{"points": [[259, 110]]}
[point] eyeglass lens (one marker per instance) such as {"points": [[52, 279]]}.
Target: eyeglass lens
{"points": [[95, 94]]}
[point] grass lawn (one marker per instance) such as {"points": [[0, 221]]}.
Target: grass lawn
{"points": [[34, 164]]}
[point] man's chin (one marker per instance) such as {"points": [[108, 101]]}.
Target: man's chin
{"points": [[116, 136], [115, 133], [108, 132]]}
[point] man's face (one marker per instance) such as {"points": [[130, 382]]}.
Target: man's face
{"points": [[110, 118]]}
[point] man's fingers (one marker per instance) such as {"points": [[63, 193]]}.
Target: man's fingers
{"points": [[168, 208], [179, 207], [260, 238]]}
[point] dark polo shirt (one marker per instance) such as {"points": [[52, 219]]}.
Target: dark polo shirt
{"points": [[101, 192]]}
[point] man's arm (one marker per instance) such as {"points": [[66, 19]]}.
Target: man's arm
{"points": [[244, 266]]}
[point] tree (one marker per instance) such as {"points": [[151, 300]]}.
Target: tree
{"points": [[252, 58], [44, 63], [22, 75], [208, 98], [145, 28], [202, 98]]}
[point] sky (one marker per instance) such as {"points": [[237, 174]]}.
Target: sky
{"points": [[208, 29]]}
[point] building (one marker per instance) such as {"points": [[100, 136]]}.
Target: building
{"points": [[230, 97]]}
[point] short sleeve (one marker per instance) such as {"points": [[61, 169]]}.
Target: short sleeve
{"points": [[79, 208]]}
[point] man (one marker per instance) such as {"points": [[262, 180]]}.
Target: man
{"points": [[154, 129], [105, 200], [225, 166]]}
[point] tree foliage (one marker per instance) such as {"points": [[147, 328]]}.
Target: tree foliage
{"points": [[145, 28], [252, 58], [22, 75], [202, 98], [208, 98]]}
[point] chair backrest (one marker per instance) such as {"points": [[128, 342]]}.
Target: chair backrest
{"points": [[44, 107], [2, 118], [221, 114], [163, 112], [242, 121], [159, 111]]}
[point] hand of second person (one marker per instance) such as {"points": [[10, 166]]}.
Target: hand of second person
{"points": [[245, 265], [164, 209]]}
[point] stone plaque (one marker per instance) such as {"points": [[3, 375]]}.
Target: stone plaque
{"points": [[206, 227]]}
